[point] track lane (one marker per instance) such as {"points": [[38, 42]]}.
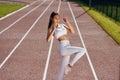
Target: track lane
{"points": [[50, 49], [14, 17], [11, 37], [83, 43], [81, 70]]}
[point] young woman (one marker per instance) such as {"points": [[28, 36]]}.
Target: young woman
{"points": [[65, 49]]}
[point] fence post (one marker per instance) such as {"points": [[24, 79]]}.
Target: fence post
{"points": [[90, 4], [111, 11], [107, 8], [116, 11]]}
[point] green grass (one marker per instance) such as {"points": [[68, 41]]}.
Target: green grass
{"points": [[106, 10], [105, 22], [8, 8]]}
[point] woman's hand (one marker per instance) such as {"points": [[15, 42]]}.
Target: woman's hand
{"points": [[69, 26], [65, 20]]}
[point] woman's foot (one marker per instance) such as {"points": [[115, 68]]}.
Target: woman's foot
{"points": [[68, 69]]}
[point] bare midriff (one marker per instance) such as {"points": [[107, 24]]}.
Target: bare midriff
{"points": [[64, 37]]}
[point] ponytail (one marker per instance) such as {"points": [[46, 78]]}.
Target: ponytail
{"points": [[50, 23], [51, 17]]}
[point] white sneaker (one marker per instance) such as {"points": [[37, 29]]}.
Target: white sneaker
{"points": [[67, 70]]}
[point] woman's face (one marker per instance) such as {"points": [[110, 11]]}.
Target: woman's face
{"points": [[56, 19]]}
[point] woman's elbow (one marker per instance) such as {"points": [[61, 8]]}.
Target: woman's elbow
{"points": [[47, 39], [73, 32]]}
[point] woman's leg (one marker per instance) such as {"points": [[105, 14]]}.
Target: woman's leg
{"points": [[64, 63], [77, 51], [77, 56]]}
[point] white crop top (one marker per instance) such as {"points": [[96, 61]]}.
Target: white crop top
{"points": [[60, 30]]}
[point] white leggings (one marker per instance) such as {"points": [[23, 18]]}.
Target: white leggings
{"points": [[66, 50]]}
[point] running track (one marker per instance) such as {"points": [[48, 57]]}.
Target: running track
{"points": [[24, 51]]}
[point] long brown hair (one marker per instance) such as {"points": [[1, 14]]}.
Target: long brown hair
{"points": [[50, 19]]}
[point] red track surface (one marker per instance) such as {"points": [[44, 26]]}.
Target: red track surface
{"points": [[28, 61]]}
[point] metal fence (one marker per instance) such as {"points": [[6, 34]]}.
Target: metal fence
{"points": [[108, 7]]}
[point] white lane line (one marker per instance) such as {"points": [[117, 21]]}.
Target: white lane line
{"points": [[21, 18], [18, 10], [25, 35], [89, 60], [49, 52], [59, 6]]}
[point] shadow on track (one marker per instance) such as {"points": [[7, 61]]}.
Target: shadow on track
{"points": [[83, 13]]}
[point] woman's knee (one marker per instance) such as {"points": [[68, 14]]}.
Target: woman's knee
{"points": [[83, 50]]}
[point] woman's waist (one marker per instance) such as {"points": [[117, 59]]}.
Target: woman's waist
{"points": [[64, 43], [62, 38]]}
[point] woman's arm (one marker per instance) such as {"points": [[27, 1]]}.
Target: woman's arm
{"points": [[69, 26], [50, 34]]}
